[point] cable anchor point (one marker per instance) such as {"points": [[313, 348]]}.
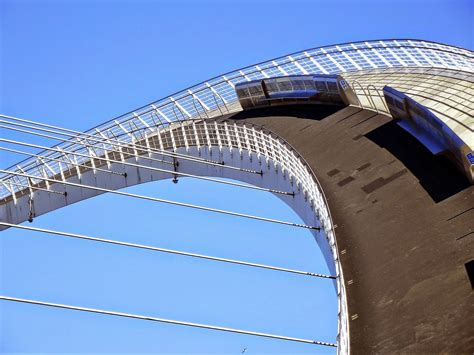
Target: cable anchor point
{"points": [[175, 168]]}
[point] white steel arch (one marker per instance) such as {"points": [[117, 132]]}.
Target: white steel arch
{"points": [[216, 97], [247, 147], [179, 123]]}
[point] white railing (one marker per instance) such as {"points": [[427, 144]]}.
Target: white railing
{"points": [[252, 143], [216, 97]]}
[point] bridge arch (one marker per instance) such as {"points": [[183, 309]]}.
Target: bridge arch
{"points": [[364, 200], [263, 159]]}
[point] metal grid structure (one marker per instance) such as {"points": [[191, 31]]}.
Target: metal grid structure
{"points": [[216, 97], [248, 145], [179, 123]]}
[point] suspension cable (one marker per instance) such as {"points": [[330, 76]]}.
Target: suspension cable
{"points": [[155, 199], [61, 140], [33, 188], [162, 250], [128, 145], [128, 164], [164, 320], [56, 159], [96, 138]]}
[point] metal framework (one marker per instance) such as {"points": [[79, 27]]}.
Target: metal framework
{"points": [[175, 136], [248, 149], [216, 97]]}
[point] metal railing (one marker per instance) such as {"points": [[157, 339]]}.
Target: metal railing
{"points": [[245, 139], [217, 97]]}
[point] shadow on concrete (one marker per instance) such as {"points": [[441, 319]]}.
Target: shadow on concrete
{"points": [[312, 112], [437, 174]]}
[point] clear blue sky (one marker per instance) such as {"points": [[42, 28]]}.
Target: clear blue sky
{"points": [[79, 63]]}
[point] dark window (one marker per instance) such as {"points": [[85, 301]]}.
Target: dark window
{"points": [[271, 86], [332, 87], [470, 271], [298, 84], [242, 93], [285, 85], [320, 86], [309, 84], [255, 90]]}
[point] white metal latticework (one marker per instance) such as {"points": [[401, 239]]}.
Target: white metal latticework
{"points": [[147, 144], [216, 97]]}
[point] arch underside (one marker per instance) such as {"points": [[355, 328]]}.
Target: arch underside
{"points": [[239, 145]]}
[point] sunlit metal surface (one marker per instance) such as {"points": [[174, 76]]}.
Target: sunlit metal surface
{"points": [[245, 147], [217, 97], [448, 93], [179, 123]]}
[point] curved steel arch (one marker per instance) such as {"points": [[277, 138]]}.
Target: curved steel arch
{"points": [[217, 95], [246, 146], [178, 117]]}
